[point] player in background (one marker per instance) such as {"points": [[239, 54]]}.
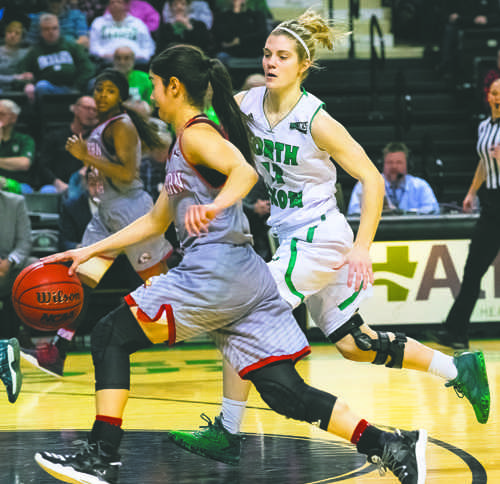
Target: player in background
{"points": [[10, 367], [221, 286], [317, 261], [113, 152]]}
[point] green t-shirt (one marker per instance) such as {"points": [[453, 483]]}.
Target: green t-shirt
{"points": [[140, 86], [19, 144]]}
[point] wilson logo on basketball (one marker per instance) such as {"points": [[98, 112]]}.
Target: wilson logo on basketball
{"points": [[56, 297]]}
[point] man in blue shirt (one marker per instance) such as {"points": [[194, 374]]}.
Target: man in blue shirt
{"points": [[403, 192]]}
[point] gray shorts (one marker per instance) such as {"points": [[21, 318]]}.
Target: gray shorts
{"points": [[115, 214], [228, 291]]}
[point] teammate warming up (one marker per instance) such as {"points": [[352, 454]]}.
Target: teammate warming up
{"points": [[221, 286]]}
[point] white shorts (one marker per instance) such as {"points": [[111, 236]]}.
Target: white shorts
{"points": [[302, 269]]}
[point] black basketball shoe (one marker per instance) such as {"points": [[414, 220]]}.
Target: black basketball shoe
{"points": [[89, 465], [403, 453]]}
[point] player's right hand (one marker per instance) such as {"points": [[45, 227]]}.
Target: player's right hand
{"points": [[77, 256]]}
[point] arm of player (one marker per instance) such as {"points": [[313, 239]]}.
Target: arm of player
{"points": [[155, 222], [332, 137], [203, 145]]}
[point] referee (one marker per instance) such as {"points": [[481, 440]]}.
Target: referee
{"points": [[485, 240]]}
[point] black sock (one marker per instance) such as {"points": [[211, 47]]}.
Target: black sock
{"points": [[370, 441], [62, 345]]}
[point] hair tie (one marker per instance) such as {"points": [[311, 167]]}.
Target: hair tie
{"points": [[297, 36]]}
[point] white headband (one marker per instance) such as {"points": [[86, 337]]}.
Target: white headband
{"points": [[297, 36]]}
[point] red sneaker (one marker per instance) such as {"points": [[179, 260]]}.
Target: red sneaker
{"points": [[45, 356]]}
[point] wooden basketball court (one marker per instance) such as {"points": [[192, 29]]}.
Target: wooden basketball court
{"points": [[172, 387]]}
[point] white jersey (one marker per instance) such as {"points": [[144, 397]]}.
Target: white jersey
{"points": [[300, 177]]}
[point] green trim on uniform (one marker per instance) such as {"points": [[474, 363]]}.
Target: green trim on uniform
{"points": [[350, 299], [314, 115], [310, 234], [289, 270]]}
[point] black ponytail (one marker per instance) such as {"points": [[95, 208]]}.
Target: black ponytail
{"points": [[234, 121], [196, 72], [147, 130]]}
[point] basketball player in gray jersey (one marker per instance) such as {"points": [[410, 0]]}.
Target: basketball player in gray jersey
{"points": [[221, 286], [112, 153]]}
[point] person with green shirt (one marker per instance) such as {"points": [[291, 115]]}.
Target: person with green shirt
{"points": [[140, 86], [16, 150], [58, 66]]}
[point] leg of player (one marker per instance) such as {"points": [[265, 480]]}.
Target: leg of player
{"points": [[114, 339], [465, 372], [10, 368]]}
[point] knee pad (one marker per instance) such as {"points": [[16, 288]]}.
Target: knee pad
{"points": [[383, 346], [282, 388]]}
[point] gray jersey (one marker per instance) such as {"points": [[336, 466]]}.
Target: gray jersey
{"points": [[112, 188], [186, 186]]}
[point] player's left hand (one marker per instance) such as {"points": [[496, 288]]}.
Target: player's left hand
{"points": [[77, 146], [198, 217], [360, 267]]}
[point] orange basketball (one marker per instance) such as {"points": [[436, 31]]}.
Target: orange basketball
{"points": [[45, 297]]}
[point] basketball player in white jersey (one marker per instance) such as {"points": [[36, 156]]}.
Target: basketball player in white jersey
{"points": [[317, 261], [221, 286]]}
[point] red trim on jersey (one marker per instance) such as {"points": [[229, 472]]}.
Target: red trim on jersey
{"points": [[198, 119], [272, 359], [144, 318], [358, 431]]}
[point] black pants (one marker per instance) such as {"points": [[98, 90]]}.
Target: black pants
{"points": [[483, 248]]}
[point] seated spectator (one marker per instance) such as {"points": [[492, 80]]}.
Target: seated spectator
{"points": [[253, 80], [117, 28], [55, 165], [239, 32], [58, 66], [72, 23], [140, 86], [15, 248], [183, 29], [77, 212], [144, 11], [90, 8], [16, 149], [198, 10], [259, 5], [464, 14], [404, 192], [11, 54]]}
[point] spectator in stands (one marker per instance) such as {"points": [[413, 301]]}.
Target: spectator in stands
{"points": [[403, 192], [464, 14], [15, 248], [489, 77], [117, 28], [140, 86], [16, 149], [239, 32], [144, 11], [55, 164], [58, 66], [11, 54], [485, 240], [90, 8], [72, 23], [198, 10], [77, 212], [253, 80], [183, 29]]}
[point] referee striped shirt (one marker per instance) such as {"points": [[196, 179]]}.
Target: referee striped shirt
{"points": [[488, 138]]}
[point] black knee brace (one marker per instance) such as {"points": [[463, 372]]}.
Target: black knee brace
{"points": [[282, 388], [114, 338], [383, 346]]}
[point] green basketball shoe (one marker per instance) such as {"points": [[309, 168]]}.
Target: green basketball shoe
{"points": [[472, 382], [211, 440]]}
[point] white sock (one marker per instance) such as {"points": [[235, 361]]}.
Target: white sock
{"points": [[231, 414], [443, 365]]}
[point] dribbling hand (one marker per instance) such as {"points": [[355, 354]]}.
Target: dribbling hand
{"points": [[77, 256]]}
